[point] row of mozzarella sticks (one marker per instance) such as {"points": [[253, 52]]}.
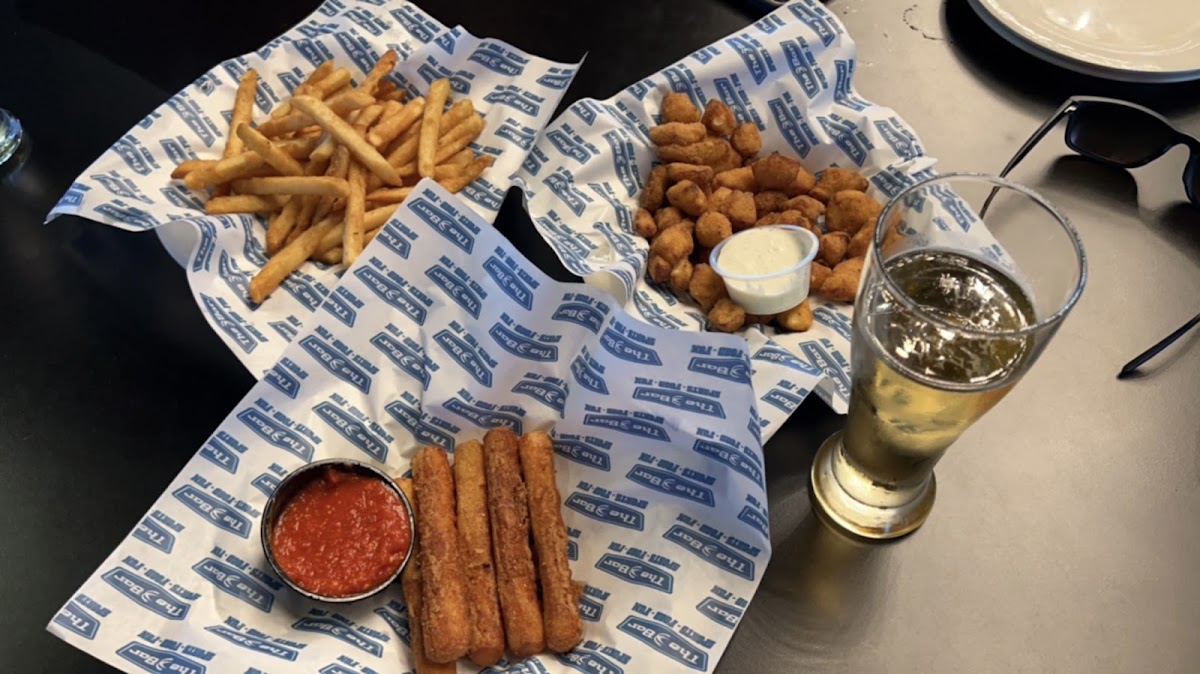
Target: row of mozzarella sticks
{"points": [[472, 584], [711, 183]]}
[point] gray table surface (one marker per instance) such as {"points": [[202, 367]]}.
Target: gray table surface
{"points": [[1066, 532]]}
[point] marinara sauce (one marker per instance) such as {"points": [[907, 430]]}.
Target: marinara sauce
{"points": [[341, 534]]}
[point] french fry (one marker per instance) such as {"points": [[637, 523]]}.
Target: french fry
{"points": [[460, 158], [237, 166], [243, 109], [261, 145], [449, 146], [446, 171], [431, 121], [355, 228], [242, 203], [373, 221], [339, 167], [397, 96], [329, 84], [341, 105], [300, 148], [366, 117], [322, 185], [385, 65], [316, 75], [324, 150], [475, 544], [458, 113], [286, 261], [390, 109], [516, 578], [445, 613], [189, 165], [397, 124], [345, 134], [281, 226], [411, 582], [385, 88], [560, 600], [331, 256], [391, 195], [469, 175]]}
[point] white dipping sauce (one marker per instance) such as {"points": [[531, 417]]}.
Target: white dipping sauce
{"points": [[769, 252]]}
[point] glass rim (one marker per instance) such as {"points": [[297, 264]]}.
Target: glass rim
{"points": [[998, 182]]}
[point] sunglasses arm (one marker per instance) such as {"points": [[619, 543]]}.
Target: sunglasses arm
{"points": [[1063, 110]]}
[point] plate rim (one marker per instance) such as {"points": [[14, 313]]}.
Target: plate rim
{"points": [[1031, 46]]}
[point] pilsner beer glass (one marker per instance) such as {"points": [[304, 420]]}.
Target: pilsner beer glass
{"points": [[953, 308]]}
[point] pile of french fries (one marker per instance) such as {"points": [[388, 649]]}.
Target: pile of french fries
{"points": [[330, 166]]}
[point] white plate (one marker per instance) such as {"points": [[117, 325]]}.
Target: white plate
{"points": [[1131, 40]]}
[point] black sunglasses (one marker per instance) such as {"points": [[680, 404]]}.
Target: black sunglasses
{"points": [[1125, 135], [1120, 134]]}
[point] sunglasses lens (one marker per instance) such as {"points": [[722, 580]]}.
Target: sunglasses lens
{"points": [[1123, 136]]}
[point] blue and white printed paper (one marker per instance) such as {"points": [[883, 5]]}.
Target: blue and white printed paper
{"points": [[791, 74], [441, 330], [130, 187]]}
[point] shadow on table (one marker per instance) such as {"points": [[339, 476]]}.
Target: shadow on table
{"points": [[992, 57]]}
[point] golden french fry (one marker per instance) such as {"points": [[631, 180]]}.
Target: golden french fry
{"points": [[237, 166], [274, 156], [189, 165], [393, 126], [384, 88], [468, 176], [331, 256], [385, 65], [457, 114], [443, 172], [300, 148], [366, 117], [390, 108], [281, 226], [316, 75], [329, 84], [460, 158], [373, 221], [243, 110], [391, 195], [449, 146], [323, 185], [341, 105], [431, 122], [286, 261], [348, 137], [355, 228], [242, 203], [397, 96]]}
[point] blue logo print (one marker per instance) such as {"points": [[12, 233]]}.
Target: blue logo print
{"points": [[719, 612], [670, 483], [549, 394], [636, 571], [392, 293], [509, 282], [353, 430], [236, 583], [339, 306], [339, 631], [337, 364], [155, 535], [783, 357], [589, 663], [157, 660], [393, 240], [254, 643], [626, 424], [711, 551], [515, 98], [621, 347], [688, 402], [755, 519], [282, 380], [518, 134], [603, 510], [494, 58], [146, 594], [523, 347], [213, 511], [456, 289], [455, 228], [75, 618], [664, 640], [220, 454], [783, 400], [588, 376], [404, 357], [483, 418], [731, 369], [581, 452], [420, 429], [732, 457], [465, 356], [580, 314], [275, 434], [266, 483], [590, 609]]}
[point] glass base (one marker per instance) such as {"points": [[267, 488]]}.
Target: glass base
{"points": [[837, 506]]}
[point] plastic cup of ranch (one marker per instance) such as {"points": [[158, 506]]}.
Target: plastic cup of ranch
{"points": [[766, 269]]}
